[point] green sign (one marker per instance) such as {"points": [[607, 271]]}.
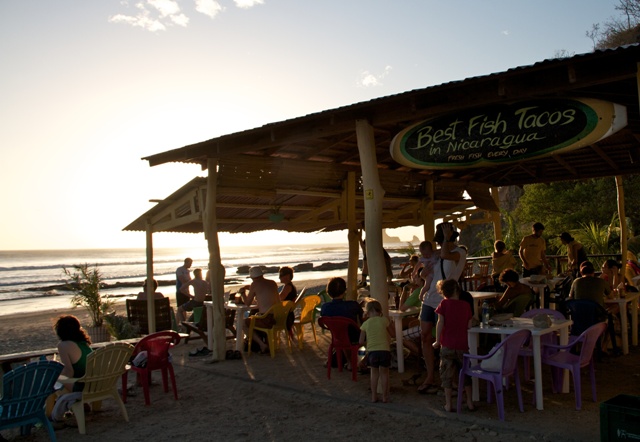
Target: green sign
{"points": [[506, 133]]}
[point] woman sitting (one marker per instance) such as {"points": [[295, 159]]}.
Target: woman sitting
{"points": [[517, 297]]}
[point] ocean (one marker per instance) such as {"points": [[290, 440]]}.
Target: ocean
{"points": [[24, 274]]}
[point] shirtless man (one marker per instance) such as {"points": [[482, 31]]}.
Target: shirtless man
{"points": [[265, 293], [183, 275], [201, 289]]}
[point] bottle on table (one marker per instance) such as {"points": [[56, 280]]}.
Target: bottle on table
{"points": [[485, 313]]}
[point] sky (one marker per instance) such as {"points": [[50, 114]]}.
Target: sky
{"points": [[88, 88]]}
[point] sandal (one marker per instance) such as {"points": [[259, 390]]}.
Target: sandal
{"points": [[428, 389]]}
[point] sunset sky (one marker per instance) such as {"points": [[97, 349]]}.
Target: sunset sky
{"points": [[87, 88]]}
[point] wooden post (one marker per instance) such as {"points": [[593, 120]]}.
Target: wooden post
{"points": [[354, 246], [427, 212], [216, 268], [373, 196], [151, 309], [623, 222], [495, 216]]}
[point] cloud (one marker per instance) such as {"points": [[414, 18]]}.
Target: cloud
{"points": [[367, 79], [505, 32], [209, 8], [246, 4], [153, 15]]}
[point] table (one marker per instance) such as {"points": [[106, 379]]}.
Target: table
{"points": [[240, 310], [397, 316], [481, 296], [539, 287], [521, 323], [632, 299]]}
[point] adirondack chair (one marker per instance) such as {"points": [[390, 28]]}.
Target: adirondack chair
{"points": [[104, 367], [25, 390]]}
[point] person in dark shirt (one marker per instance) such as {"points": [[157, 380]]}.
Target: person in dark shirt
{"points": [[337, 289]]}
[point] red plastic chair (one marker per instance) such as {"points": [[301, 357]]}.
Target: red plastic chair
{"points": [[510, 348], [564, 359], [339, 328], [157, 346]]}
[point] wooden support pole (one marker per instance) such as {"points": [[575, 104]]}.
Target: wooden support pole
{"points": [[150, 289], [352, 235], [623, 222], [495, 216], [428, 220], [216, 269], [373, 196]]}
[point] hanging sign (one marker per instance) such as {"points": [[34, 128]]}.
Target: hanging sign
{"points": [[507, 133]]}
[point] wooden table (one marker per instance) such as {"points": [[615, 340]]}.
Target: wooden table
{"points": [[240, 310], [478, 297], [521, 323], [632, 300], [397, 316]]}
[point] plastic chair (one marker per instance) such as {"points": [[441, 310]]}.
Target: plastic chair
{"points": [[307, 306], [550, 338], [280, 312], [340, 340], [157, 346], [585, 313], [104, 367], [565, 359], [510, 348], [25, 390]]}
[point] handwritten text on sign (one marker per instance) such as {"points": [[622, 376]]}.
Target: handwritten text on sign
{"points": [[499, 134]]}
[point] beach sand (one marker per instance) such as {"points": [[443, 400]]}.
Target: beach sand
{"points": [[290, 397]]}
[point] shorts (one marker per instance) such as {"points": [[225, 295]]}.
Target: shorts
{"points": [[450, 363], [428, 314], [266, 322], [411, 333], [380, 358], [189, 305]]}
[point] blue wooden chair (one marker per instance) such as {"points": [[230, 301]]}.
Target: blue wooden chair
{"points": [[25, 390]]}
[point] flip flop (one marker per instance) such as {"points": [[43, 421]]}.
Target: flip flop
{"points": [[429, 389], [237, 355]]}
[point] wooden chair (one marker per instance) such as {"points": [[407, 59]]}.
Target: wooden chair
{"points": [[24, 393], [104, 367], [137, 314], [199, 325]]}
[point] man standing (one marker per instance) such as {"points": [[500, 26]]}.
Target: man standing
{"points": [[183, 275], [450, 266], [532, 252], [265, 293]]}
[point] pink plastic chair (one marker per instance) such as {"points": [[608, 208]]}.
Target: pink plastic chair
{"points": [[339, 328], [550, 338], [564, 359], [510, 347], [157, 346]]}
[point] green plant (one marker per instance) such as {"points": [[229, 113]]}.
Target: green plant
{"points": [[85, 283], [119, 326], [410, 250]]}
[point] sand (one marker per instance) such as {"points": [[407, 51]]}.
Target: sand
{"points": [[290, 397]]}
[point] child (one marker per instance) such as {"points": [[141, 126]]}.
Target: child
{"points": [[374, 332], [454, 318]]}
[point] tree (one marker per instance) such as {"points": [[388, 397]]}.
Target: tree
{"points": [[618, 31]]}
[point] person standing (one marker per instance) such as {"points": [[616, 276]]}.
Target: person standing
{"points": [[453, 258], [183, 275], [374, 332], [575, 253], [532, 252]]}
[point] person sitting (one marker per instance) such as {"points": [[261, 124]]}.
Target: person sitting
{"points": [[288, 292], [337, 289], [516, 297], [201, 289], [73, 349], [142, 296], [265, 293], [501, 259]]}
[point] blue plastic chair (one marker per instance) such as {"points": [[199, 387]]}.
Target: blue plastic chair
{"points": [[25, 391]]}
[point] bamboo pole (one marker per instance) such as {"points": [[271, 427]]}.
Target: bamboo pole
{"points": [[495, 216], [352, 236], [623, 221], [373, 196], [216, 269], [150, 289]]}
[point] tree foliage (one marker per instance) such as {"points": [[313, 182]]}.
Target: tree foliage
{"points": [[618, 31]]}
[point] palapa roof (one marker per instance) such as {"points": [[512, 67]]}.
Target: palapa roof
{"points": [[291, 175]]}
